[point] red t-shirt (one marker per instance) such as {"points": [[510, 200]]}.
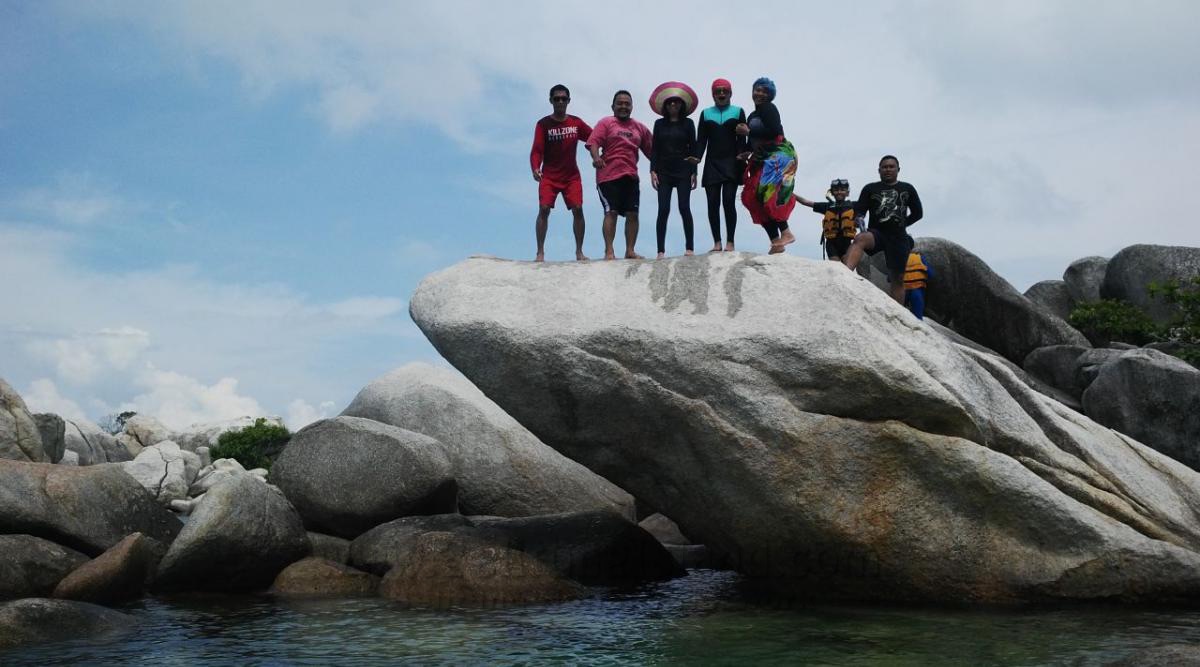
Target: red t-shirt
{"points": [[619, 142], [554, 144]]}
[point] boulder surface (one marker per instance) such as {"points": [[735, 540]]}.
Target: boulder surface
{"points": [[117, 575], [20, 439], [1152, 397], [904, 467], [1052, 295], [32, 567], [88, 509], [238, 539], [42, 620], [1084, 277], [501, 468], [347, 475], [979, 304], [1130, 271]]}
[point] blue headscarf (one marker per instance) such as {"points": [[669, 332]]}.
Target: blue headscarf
{"points": [[768, 84]]}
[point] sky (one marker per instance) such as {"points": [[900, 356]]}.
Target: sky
{"points": [[213, 209]]}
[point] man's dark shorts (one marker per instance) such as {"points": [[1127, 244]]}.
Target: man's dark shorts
{"points": [[621, 195], [837, 247], [896, 244]]}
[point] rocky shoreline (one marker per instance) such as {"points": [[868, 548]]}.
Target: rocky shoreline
{"points": [[782, 412]]}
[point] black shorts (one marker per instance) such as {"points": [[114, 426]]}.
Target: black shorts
{"points": [[837, 247], [895, 244], [621, 195]]}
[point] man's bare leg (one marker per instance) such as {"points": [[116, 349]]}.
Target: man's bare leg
{"points": [[609, 230], [861, 244], [543, 221], [896, 288], [631, 234], [579, 229]]}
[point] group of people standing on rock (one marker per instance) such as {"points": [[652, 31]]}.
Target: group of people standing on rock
{"points": [[738, 149]]}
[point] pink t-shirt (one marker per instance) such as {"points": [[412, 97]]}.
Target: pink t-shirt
{"points": [[619, 143]]}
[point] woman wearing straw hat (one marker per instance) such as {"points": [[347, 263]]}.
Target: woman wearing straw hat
{"points": [[771, 170], [672, 159]]}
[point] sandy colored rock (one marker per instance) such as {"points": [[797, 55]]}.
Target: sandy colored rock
{"points": [[320, 577]]}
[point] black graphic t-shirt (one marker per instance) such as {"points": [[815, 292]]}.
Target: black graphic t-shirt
{"points": [[892, 207]]}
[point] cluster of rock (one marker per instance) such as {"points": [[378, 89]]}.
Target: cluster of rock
{"points": [[815, 435], [482, 513]]}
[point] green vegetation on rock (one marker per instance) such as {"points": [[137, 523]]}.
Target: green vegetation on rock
{"points": [[1184, 329], [254, 446], [1109, 320], [1112, 321]]}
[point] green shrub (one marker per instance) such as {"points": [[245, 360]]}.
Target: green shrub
{"points": [[254, 446], [1184, 329], [1110, 320]]}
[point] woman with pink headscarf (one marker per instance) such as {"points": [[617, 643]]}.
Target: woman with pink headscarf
{"points": [[723, 171]]}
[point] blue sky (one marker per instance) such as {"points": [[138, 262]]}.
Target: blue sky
{"points": [[220, 208]]}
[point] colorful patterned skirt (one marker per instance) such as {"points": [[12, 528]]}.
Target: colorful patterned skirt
{"points": [[768, 184]]}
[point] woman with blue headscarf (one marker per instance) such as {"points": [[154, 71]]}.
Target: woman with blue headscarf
{"points": [[771, 168]]}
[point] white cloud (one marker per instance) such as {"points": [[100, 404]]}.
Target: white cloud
{"points": [[43, 396], [74, 199], [178, 401], [301, 413], [367, 308], [81, 358]]}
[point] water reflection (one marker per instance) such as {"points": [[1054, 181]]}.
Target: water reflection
{"points": [[704, 618]]}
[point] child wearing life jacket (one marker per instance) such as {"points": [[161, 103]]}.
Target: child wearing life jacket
{"points": [[916, 273], [838, 226]]}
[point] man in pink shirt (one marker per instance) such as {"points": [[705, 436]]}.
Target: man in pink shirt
{"points": [[614, 146]]}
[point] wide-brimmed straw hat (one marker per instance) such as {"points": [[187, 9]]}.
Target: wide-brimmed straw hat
{"points": [[665, 91]]}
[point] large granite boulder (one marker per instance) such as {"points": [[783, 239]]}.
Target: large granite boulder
{"points": [[450, 569], [238, 539], [1084, 277], [117, 575], [141, 431], [31, 567], [501, 468], [321, 577], [88, 509], [347, 474], [1152, 397], [92, 444], [52, 428], [1052, 296], [42, 620], [903, 467], [165, 470], [1131, 270], [20, 439], [329, 547], [377, 549], [597, 547], [976, 302], [1057, 365]]}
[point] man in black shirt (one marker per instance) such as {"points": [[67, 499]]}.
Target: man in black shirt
{"points": [[893, 206]]}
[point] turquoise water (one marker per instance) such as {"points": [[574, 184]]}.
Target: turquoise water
{"points": [[705, 618]]}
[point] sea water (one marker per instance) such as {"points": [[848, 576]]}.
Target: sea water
{"points": [[708, 617]]}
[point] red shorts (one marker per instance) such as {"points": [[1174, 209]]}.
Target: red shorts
{"points": [[572, 192]]}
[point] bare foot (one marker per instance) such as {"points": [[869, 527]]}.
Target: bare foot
{"points": [[787, 237], [775, 249], [729, 247], [580, 257], [541, 257], [716, 247], [688, 253], [609, 255], [629, 254], [661, 255]]}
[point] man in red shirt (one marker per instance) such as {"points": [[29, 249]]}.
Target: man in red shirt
{"points": [[614, 147], [553, 162]]}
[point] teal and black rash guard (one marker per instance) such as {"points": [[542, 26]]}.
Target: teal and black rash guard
{"points": [[716, 135]]}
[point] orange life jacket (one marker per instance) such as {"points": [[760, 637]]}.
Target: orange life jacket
{"points": [[915, 272], [839, 222]]}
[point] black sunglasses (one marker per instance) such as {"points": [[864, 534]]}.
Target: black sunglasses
{"points": [[840, 183], [560, 99]]}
